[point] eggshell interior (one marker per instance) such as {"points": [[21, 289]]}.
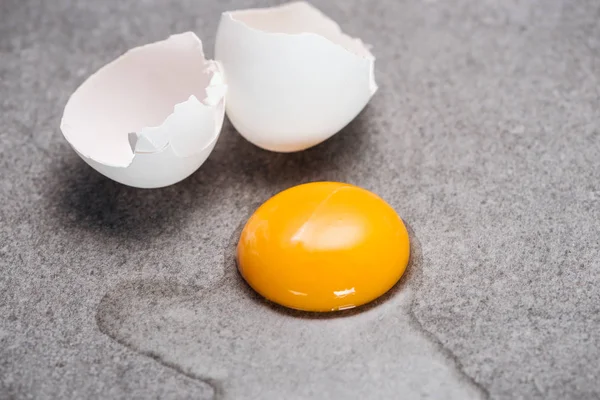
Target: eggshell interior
{"points": [[297, 18], [136, 93], [149, 118]]}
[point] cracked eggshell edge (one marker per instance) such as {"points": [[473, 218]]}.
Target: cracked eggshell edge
{"points": [[186, 137], [291, 91]]}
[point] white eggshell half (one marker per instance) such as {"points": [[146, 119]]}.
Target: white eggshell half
{"points": [[151, 117], [294, 78]]}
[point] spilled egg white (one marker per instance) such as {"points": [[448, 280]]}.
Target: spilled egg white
{"points": [[151, 117], [294, 79]]}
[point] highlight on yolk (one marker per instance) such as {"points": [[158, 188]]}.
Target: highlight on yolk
{"points": [[323, 246]]}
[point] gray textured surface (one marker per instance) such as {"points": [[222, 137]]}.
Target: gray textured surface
{"points": [[484, 136]]}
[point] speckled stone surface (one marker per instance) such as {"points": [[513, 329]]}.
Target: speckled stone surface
{"points": [[484, 136]]}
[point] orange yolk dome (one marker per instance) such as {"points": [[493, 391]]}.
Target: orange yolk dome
{"points": [[323, 246]]}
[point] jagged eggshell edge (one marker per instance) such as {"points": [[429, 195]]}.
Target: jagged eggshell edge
{"points": [[155, 144], [291, 87]]}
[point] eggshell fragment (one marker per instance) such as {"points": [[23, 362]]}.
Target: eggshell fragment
{"points": [[151, 117], [294, 78]]}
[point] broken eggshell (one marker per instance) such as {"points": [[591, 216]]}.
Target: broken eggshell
{"points": [[151, 117], [294, 78]]}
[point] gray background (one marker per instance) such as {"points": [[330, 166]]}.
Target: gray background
{"points": [[484, 136]]}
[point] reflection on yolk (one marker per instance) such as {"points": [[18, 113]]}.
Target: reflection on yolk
{"points": [[323, 246]]}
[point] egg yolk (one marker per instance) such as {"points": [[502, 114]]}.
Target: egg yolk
{"points": [[323, 246]]}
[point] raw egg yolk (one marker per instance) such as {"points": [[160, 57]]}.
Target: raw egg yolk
{"points": [[323, 246]]}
